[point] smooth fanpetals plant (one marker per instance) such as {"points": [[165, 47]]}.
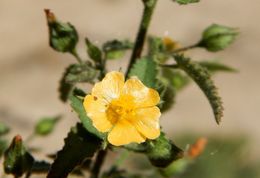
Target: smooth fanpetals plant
{"points": [[122, 111], [127, 110]]}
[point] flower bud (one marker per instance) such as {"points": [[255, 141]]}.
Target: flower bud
{"points": [[63, 37], [217, 37]]}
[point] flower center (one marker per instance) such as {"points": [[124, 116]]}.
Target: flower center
{"points": [[121, 108]]}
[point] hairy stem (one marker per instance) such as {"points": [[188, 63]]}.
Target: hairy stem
{"points": [[184, 49], [76, 55], [149, 6], [98, 163]]}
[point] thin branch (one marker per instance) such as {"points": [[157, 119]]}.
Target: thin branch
{"points": [[149, 6]]}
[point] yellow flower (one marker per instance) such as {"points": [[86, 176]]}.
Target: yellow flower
{"points": [[126, 110]]}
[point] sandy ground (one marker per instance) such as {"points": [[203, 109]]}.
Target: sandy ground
{"points": [[30, 70]]}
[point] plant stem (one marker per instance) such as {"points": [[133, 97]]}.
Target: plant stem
{"points": [[98, 163], [149, 6], [184, 49], [76, 55]]}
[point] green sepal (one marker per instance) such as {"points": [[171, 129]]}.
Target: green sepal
{"points": [[218, 37], [146, 71], [17, 160], [63, 37], [116, 49], [93, 51], [161, 152], [4, 129], [203, 79], [46, 125], [184, 2], [79, 145], [77, 105]]}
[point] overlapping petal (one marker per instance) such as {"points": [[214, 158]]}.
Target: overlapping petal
{"points": [[96, 111], [143, 96], [124, 133], [146, 122], [110, 87]]}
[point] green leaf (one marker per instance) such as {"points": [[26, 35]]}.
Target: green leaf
{"points": [[215, 66], [183, 2], [203, 79], [162, 152], [146, 70], [93, 51], [82, 73], [116, 49], [63, 37], [76, 73], [4, 129], [218, 37], [46, 125], [79, 145], [17, 160], [77, 105]]}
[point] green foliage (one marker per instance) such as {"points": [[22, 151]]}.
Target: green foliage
{"points": [[146, 70], [17, 160], [79, 145], [77, 106], [118, 173], [63, 37], [218, 37], [161, 151], [203, 79], [183, 2], [157, 49], [75, 73], [93, 51], [116, 49], [216, 66], [4, 129], [46, 125], [83, 72]]}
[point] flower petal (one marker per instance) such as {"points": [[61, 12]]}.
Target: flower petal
{"points": [[143, 96], [124, 133], [110, 87], [96, 111], [147, 122]]}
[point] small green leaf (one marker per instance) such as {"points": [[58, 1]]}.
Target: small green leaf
{"points": [[183, 2], [215, 66], [17, 160], [4, 129], [93, 51], [79, 145], [77, 105], [203, 79], [116, 49], [46, 125], [146, 70], [157, 49], [63, 37], [82, 73], [218, 37], [162, 152]]}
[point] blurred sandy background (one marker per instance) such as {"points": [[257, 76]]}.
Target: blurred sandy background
{"points": [[30, 69]]}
